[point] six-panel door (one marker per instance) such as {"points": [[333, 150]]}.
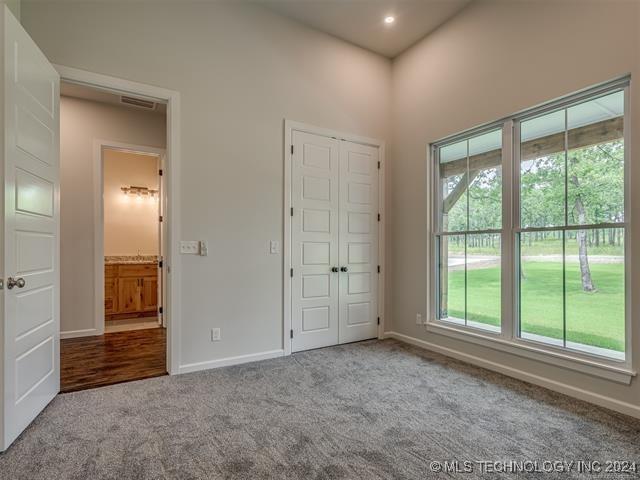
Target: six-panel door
{"points": [[334, 241], [358, 247], [314, 248]]}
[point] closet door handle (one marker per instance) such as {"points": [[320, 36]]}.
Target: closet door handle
{"points": [[344, 269], [334, 269]]}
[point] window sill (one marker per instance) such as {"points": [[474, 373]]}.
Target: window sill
{"points": [[615, 371]]}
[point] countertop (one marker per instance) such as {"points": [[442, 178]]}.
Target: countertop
{"points": [[131, 260]]}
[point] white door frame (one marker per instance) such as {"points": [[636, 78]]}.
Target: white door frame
{"points": [[98, 215], [170, 195], [289, 127]]}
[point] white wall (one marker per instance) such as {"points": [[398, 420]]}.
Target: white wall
{"points": [[241, 71], [131, 224], [81, 122], [494, 59]]}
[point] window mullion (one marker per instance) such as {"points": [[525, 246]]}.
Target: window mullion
{"points": [[507, 244]]}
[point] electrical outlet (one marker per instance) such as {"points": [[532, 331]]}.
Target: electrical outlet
{"points": [[189, 247], [274, 247], [204, 248], [418, 319], [215, 335]]}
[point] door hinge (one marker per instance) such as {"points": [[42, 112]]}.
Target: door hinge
{"points": [[291, 333], [378, 165], [292, 211], [292, 149], [160, 218], [160, 310], [378, 268], [160, 172], [291, 272], [378, 320], [378, 217], [160, 264]]}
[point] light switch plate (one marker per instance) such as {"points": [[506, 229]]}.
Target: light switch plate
{"points": [[274, 247], [189, 247], [215, 335]]}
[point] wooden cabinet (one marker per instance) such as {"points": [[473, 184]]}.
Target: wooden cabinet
{"points": [[110, 295], [149, 298], [130, 290], [129, 295]]}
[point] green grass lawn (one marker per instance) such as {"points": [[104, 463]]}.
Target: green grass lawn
{"points": [[595, 319]]}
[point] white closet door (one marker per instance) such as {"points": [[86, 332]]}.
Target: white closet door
{"points": [[314, 245], [358, 242]]}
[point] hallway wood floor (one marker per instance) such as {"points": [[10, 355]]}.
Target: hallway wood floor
{"points": [[89, 362]]}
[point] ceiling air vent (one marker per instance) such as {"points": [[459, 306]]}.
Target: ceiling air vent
{"points": [[138, 102]]}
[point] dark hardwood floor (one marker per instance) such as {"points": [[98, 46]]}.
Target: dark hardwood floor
{"points": [[90, 362]]}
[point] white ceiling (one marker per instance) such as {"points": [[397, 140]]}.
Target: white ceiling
{"points": [[361, 21]]}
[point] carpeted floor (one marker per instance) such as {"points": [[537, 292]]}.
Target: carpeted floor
{"points": [[364, 411]]}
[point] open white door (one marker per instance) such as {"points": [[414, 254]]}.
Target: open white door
{"points": [[30, 224]]}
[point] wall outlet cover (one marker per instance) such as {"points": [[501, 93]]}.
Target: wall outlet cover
{"points": [[418, 319], [215, 335]]}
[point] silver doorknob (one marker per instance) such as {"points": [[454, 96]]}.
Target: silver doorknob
{"points": [[15, 282]]}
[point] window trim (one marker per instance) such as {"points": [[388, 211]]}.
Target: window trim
{"points": [[507, 340]]}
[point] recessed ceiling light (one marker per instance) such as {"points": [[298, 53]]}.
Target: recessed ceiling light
{"points": [[389, 19]]}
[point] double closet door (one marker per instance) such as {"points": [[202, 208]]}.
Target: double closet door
{"points": [[334, 241]]}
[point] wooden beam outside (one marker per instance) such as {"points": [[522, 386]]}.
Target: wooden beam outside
{"points": [[587, 136]]}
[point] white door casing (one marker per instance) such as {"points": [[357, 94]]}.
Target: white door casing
{"points": [[358, 242], [334, 241], [314, 252], [31, 365]]}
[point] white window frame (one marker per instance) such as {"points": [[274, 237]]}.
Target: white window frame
{"points": [[507, 339]]}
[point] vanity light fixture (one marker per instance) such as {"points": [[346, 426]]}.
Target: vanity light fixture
{"points": [[139, 191]]}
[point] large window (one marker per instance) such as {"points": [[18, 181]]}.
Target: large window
{"points": [[530, 228], [469, 237]]}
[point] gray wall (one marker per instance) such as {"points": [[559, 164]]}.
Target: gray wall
{"points": [[492, 60], [81, 122], [241, 71], [14, 6]]}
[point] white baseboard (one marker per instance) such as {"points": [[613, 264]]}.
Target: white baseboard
{"points": [[225, 362], [586, 395], [87, 332]]}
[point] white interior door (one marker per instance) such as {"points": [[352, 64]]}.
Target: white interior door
{"points": [[314, 247], [358, 298], [30, 261], [334, 241]]}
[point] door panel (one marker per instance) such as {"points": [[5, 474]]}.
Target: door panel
{"points": [[314, 227], [358, 242], [110, 295], [31, 225], [129, 294], [149, 294]]}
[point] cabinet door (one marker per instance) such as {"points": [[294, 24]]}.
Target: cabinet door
{"points": [[110, 295], [129, 294], [149, 294]]}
